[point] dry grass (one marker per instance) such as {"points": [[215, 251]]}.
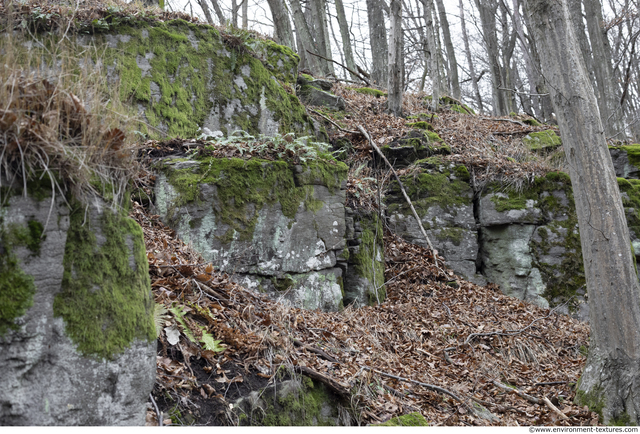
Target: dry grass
{"points": [[61, 123]]}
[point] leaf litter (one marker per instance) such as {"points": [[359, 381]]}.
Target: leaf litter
{"points": [[434, 328], [458, 353]]}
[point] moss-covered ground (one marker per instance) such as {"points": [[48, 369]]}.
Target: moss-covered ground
{"points": [[301, 407], [542, 140], [410, 419]]}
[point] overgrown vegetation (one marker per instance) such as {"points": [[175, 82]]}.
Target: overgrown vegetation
{"points": [[62, 130]]}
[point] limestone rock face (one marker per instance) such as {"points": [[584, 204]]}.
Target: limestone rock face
{"points": [[278, 227], [623, 166], [65, 359], [494, 212], [508, 261], [443, 199], [364, 268], [184, 78]]}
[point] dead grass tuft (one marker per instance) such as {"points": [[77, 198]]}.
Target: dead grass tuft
{"points": [[61, 123]]}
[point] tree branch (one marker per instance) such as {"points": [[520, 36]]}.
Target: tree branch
{"points": [[340, 64]]}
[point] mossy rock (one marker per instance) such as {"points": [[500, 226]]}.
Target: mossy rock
{"points": [[532, 122], [410, 419], [369, 91], [301, 402], [364, 281], [183, 77], [105, 274], [434, 182], [546, 140], [16, 287], [421, 125], [452, 105], [415, 145]]}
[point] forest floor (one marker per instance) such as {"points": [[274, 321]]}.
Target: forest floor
{"points": [[458, 353]]}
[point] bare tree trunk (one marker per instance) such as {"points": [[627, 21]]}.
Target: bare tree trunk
{"points": [[283, 32], [395, 59], [432, 47], [487, 10], [607, 92], [378, 42], [234, 13], [577, 19], [508, 45], [610, 382], [216, 8], [205, 9], [346, 39], [467, 50], [541, 88], [245, 14], [318, 12], [533, 106], [451, 55], [305, 40]]}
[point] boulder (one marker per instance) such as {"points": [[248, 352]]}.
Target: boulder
{"points": [[274, 224], [316, 92], [183, 77], [415, 145], [77, 338]]}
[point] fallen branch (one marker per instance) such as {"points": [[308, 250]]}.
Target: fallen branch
{"points": [[339, 388], [317, 351], [508, 332], [513, 121], [404, 193], [531, 399], [553, 408], [330, 120], [340, 64], [158, 413]]}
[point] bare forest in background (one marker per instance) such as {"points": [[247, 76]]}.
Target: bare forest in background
{"points": [[480, 52]]}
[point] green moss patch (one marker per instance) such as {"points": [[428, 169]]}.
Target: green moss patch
{"points": [[365, 261], [16, 287], [369, 91], [421, 125], [542, 140], [193, 71], [410, 419], [532, 122], [593, 399], [518, 200], [633, 152], [106, 293], [432, 184], [305, 406], [244, 187]]}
